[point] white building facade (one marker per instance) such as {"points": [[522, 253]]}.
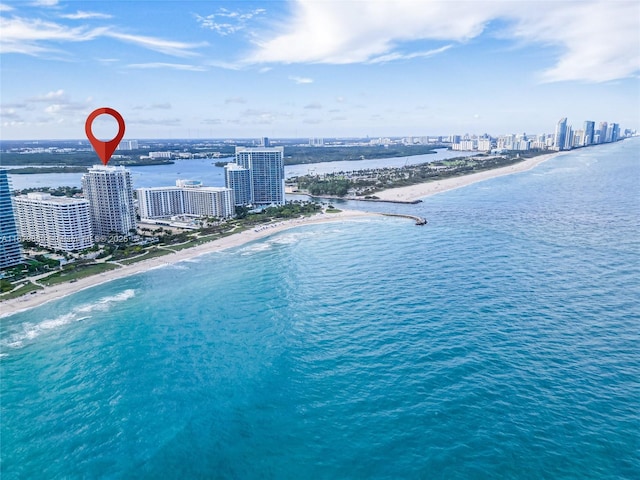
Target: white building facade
{"points": [[110, 194], [186, 198], [58, 223]]}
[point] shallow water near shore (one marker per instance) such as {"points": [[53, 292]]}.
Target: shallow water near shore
{"points": [[499, 341]]}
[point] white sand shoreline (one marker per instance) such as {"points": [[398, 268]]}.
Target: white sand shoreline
{"points": [[412, 193], [26, 302]]}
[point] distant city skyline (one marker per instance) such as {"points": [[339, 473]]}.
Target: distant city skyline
{"points": [[296, 69]]}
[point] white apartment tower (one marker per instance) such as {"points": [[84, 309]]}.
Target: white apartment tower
{"points": [[186, 198], [110, 195], [58, 223]]}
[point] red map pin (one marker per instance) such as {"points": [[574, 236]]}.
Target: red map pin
{"points": [[104, 149]]}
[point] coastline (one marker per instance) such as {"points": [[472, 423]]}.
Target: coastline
{"points": [[408, 194], [412, 193], [26, 302]]}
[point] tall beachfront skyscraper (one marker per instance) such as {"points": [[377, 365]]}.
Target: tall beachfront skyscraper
{"points": [[10, 252], [561, 132], [589, 132], [238, 179], [58, 223], [266, 171], [615, 132], [602, 132], [110, 194]]}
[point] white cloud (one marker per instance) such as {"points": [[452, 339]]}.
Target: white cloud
{"points": [[352, 32], [258, 117], [598, 40], [169, 47], [408, 56], [593, 40], [34, 36], [223, 65], [5, 8], [45, 3], [52, 96], [233, 21], [172, 66], [26, 36], [80, 15], [8, 113], [301, 80]]}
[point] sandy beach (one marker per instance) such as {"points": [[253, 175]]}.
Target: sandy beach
{"points": [[415, 192], [9, 307]]}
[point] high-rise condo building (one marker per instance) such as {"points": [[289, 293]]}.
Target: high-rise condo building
{"points": [[602, 132], [266, 170], [188, 198], [238, 179], [615, 132], [568, 138], [609, 135], [589, 132], [10, 252], [561, 132], [110, 195], [58, 223]]}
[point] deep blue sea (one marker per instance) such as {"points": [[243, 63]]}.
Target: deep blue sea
{"points": [[500, 341]]}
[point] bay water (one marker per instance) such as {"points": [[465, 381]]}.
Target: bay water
{"points": [[204, 170], [502, 340]]}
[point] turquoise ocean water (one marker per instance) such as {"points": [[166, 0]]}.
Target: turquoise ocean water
{"points": [[500, 341]]}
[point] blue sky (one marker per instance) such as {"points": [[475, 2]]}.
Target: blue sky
{"points": [[327, 68]]}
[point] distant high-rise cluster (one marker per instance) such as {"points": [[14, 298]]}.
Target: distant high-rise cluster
{"points": [[566, 138], [10, 252], [257, 176]]}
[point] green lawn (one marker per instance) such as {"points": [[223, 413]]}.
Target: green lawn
{"points": [[18, 292], [146, 256], [81, 271]]}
